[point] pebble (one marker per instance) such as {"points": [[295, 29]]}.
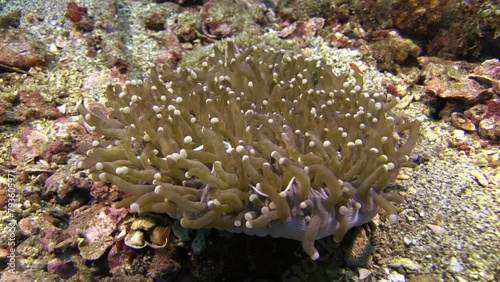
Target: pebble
{"points": [[363, 273], [402, 176], [422, 214], [406, 263], [480, 178], [459, 134], [407, 241], [410, 218], [438, 230], [455, 266], [395, 276], [53, 48], [26, 204]]}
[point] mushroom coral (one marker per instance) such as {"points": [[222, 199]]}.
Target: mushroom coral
{"points": [[256, 140]]}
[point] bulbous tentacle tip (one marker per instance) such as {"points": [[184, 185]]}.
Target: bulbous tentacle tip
{"points": [[315, 256]]}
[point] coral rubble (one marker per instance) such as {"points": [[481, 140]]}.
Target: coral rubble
{"points": [[256, 141]]}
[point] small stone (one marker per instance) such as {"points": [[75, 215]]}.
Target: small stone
{"points": [[363, 273], [406, 263], [438, 230], [287, 31], [10, 19], [455, 266], [395, 276], [25, 226], [480, 178], [422, 214], [53, 48], [402, 176], [459, 134], [26, 204], [155, 21], [60, 42], [75, 13], [410, 218], [187, 46], [407, 241]]}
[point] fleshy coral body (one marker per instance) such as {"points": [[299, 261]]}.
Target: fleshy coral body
{"points": [[255, 141]]}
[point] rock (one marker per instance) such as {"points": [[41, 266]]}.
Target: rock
{"points": [[438, 230], [30, 145], [408, 241], [477, 113], [65, 269], [184, 25], [467, 90], [25, 226], [449, 79], [481, 179], [406, 263], [288, 30], [488, 73], [163, 265], [391, 50], [34, 106], [53, 237], [75, 13], [155, 21], [121, 259], [363, 273], [455, 265], [395, 276], [24, 54], [95, 224], [10, 19], [226, 18], [490, 128], [459, 134]]}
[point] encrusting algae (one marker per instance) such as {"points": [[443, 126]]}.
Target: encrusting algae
{"points": [[256, 141]]}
